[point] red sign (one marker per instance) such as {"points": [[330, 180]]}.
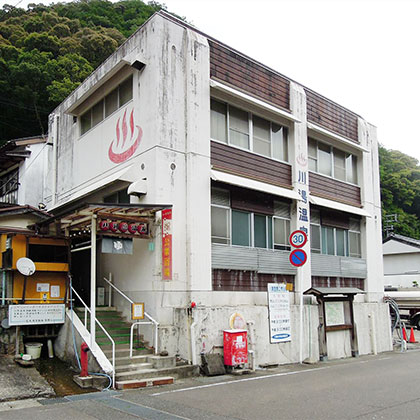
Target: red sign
{"points": [[298, 238], [298, 257], [125, 144], [167, 244]]}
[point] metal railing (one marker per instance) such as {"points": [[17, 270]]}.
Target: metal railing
{"points": [[150, 322], [103, 329]]}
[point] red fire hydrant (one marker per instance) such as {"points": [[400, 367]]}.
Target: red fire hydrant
{"points": [[84, 360]]}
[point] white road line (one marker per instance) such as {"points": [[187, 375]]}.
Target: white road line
{"points": [[263, 377], [257, 378]]}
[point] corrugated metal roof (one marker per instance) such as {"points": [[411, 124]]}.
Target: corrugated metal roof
{"points": [[403, 239], [323, 291]]}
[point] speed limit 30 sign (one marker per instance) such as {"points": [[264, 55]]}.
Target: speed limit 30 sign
{"points": [[298, 239]]}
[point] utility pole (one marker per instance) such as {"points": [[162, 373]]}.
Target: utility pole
{"points": [[389, 221]]}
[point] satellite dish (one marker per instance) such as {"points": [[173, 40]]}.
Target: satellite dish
{"points": [[5, 323], [25, 266]]}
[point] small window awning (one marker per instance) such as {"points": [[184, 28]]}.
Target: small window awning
{"points": [[79, 217], [333, 291]]}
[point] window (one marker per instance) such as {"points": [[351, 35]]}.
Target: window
{"points": [[281, 233], [332, 162], [241, 234], [118, 197], [105, 107], [240, 128], [48, 253], [336, 241], [246, 228], [9, 184], [354, 238], [220, 216]]}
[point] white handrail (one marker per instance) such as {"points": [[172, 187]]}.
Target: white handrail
{"points": [[118, 290], [153, 321], [132, 335], [104, 330]]}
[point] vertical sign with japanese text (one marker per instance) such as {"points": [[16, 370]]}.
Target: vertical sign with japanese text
{"points": [[279, 312], [167, 244]]}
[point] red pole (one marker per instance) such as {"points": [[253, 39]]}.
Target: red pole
{"points": [[84, 360]]}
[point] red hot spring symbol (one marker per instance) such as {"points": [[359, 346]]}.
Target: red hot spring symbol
{"points": [[124, 146]]}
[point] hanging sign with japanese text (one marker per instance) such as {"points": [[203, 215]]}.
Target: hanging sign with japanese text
{"points": [[167, 244]]}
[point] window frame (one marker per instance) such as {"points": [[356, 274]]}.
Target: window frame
{"points": [[354, 157], [251, 132], [269, 239], [103, 100]]}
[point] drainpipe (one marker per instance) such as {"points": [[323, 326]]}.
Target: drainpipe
{"points": [[54, 163], [193, 340], [301, 326], [3, 287], [373, 334], [252, 341]]}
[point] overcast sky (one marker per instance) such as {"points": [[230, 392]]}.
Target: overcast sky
{"points": [[363, 54]]}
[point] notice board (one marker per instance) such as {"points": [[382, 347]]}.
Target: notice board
{"points": [[279, 313]]}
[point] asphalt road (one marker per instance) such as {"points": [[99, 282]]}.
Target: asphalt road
{"points": [[386, 386]]}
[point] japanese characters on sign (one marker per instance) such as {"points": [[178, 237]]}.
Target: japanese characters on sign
{"points": [[36, 314], [135, 229], [303, 191], [279, 313], [167, 244], [137, 311]]}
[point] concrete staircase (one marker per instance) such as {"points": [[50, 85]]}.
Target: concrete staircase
{"points": [[144, 368]]}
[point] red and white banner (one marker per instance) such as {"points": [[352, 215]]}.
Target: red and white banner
{"points": [[167, 244]]}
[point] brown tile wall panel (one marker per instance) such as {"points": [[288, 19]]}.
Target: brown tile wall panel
{"points": [[331, 116], [338, 282], [334, 190], [243, 163], [228, 66], [247, 281]]}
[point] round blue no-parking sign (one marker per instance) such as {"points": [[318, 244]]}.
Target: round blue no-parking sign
{"points": [[298, 257]]}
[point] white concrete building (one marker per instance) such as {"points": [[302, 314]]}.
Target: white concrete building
{"points": [[401, 258], [244, 156]]}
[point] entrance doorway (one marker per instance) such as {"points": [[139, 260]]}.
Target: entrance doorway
{"points": [[80, 271]]}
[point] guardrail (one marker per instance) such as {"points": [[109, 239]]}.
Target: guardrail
{"points": [[103, 329], [150, 322]]}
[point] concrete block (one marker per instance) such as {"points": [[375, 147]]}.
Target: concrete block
{"points": [[99, 382], [161, 362], [212, 364], [83, 382]]}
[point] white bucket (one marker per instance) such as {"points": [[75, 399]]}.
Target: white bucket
{"points": [[34, 349]]}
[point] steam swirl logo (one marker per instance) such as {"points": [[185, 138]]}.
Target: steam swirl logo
{"points": [[125, 144]]}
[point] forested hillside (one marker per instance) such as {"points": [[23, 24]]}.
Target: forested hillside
{"points": [[45, 52], [400, 190]]}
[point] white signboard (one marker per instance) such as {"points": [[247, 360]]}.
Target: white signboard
{"points": [[334, 313], [42, 287], [279, 312], [36, 314]]}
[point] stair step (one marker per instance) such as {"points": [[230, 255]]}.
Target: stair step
{"points": [[108, 342], [126, 360], [133, 367], [113, 335], [142, 383], [125, 352]]}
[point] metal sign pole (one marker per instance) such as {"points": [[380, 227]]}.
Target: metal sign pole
{"points": [[92, 279]]}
